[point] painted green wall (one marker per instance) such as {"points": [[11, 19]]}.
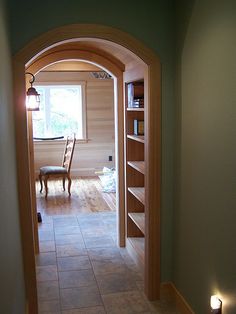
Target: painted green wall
{"points": [[205, 211], [11, 274], [204, 110], [149, 21]]}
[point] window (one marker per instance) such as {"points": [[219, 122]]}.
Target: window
{"points": [[62, 111]]}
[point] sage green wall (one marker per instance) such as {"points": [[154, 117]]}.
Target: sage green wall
{"points": [[149, 21], [205, 197], [11, 274], [205, 215]]}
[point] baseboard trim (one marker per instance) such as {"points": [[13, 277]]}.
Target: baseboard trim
{"points": [[181, 304]]}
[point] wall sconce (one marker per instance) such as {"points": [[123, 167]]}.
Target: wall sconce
{"points": [[216, 305], [32, 99]]}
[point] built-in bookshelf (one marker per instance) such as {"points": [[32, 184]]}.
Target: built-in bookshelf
{"points": [[135, 169], [141, 186]]}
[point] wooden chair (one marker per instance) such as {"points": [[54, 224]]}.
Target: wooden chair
{"points": [[59, 171]]}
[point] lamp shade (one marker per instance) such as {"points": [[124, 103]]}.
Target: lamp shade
{"points": [[32, 97]]}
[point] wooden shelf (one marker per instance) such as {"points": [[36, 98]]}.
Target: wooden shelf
{"points": [[139, 193], [134, 109], [137, 165], [139, 220], [138, 138]]}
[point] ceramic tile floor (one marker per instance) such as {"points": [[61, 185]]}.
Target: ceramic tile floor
{"points": [[80, 269]]}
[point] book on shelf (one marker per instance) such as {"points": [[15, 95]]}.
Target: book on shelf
{"points": [[135, 92], [138, 127]]}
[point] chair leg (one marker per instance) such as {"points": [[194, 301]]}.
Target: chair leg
{"points": [[46, 186], [69, 185], [63, 182], [41, 184]]}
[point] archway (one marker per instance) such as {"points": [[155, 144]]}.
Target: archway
{"points": [[30, 58]]}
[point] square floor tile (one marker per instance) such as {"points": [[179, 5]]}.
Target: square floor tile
{"points": [[101, 254], [87, 310], [65, 221], [108, 266], [75, 249], [47, 246], [163, 307], [46, 273], [45, 227], [94, 232], [126, 256], [130, 302], [67, 230], [46, 220], [91, 224], [62, 239], [99, 241], [45, 259], [76, 278], [48, 290], [46, 235], [134, 271], [73, 263], [80, 297], [117, 282], [84, 217], [52, 306]]}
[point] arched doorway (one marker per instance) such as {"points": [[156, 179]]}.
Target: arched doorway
{"points": [[74, 52], [35, 56]]}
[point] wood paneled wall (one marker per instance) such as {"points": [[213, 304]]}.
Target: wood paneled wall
{"points": [[91, 155]]}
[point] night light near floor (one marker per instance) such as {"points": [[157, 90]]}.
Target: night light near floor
{"points": [[216, 305]]}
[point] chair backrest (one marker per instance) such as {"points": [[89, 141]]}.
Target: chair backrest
{"points": [[68, 152]]}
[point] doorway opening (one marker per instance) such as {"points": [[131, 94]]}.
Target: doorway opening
{"points": [[77, 98], [117, 53], [79, 230]]}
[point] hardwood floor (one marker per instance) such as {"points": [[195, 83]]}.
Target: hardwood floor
{"points": [[86, 197]]}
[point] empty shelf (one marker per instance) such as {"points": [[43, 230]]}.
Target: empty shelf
{"points": [[138, 138], [137, 165], [134, 109], [139, 220], [139, 193]]}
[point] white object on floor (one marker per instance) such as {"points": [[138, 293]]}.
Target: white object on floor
{"points": [[108, 179]]}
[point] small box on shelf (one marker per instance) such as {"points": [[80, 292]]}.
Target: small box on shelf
{"points": [[138, 127]]}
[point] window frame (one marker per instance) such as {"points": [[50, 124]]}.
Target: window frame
{"points": [[83, 85]]}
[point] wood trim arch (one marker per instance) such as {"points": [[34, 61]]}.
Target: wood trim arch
{"points": [[76, 54], [80, 46], [73, 32], [25, 57]]}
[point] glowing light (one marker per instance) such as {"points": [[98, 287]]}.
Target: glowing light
{"points": [[32, 102], [32, 96], [215, 302]]}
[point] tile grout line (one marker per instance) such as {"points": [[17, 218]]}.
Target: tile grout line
{"points": [[94, 274], [59, 291]]}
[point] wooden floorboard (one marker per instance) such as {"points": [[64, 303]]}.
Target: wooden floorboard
{"points": [[86, 196]]}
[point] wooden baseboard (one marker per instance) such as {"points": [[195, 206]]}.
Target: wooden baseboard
{"points": [[176, 297]]}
